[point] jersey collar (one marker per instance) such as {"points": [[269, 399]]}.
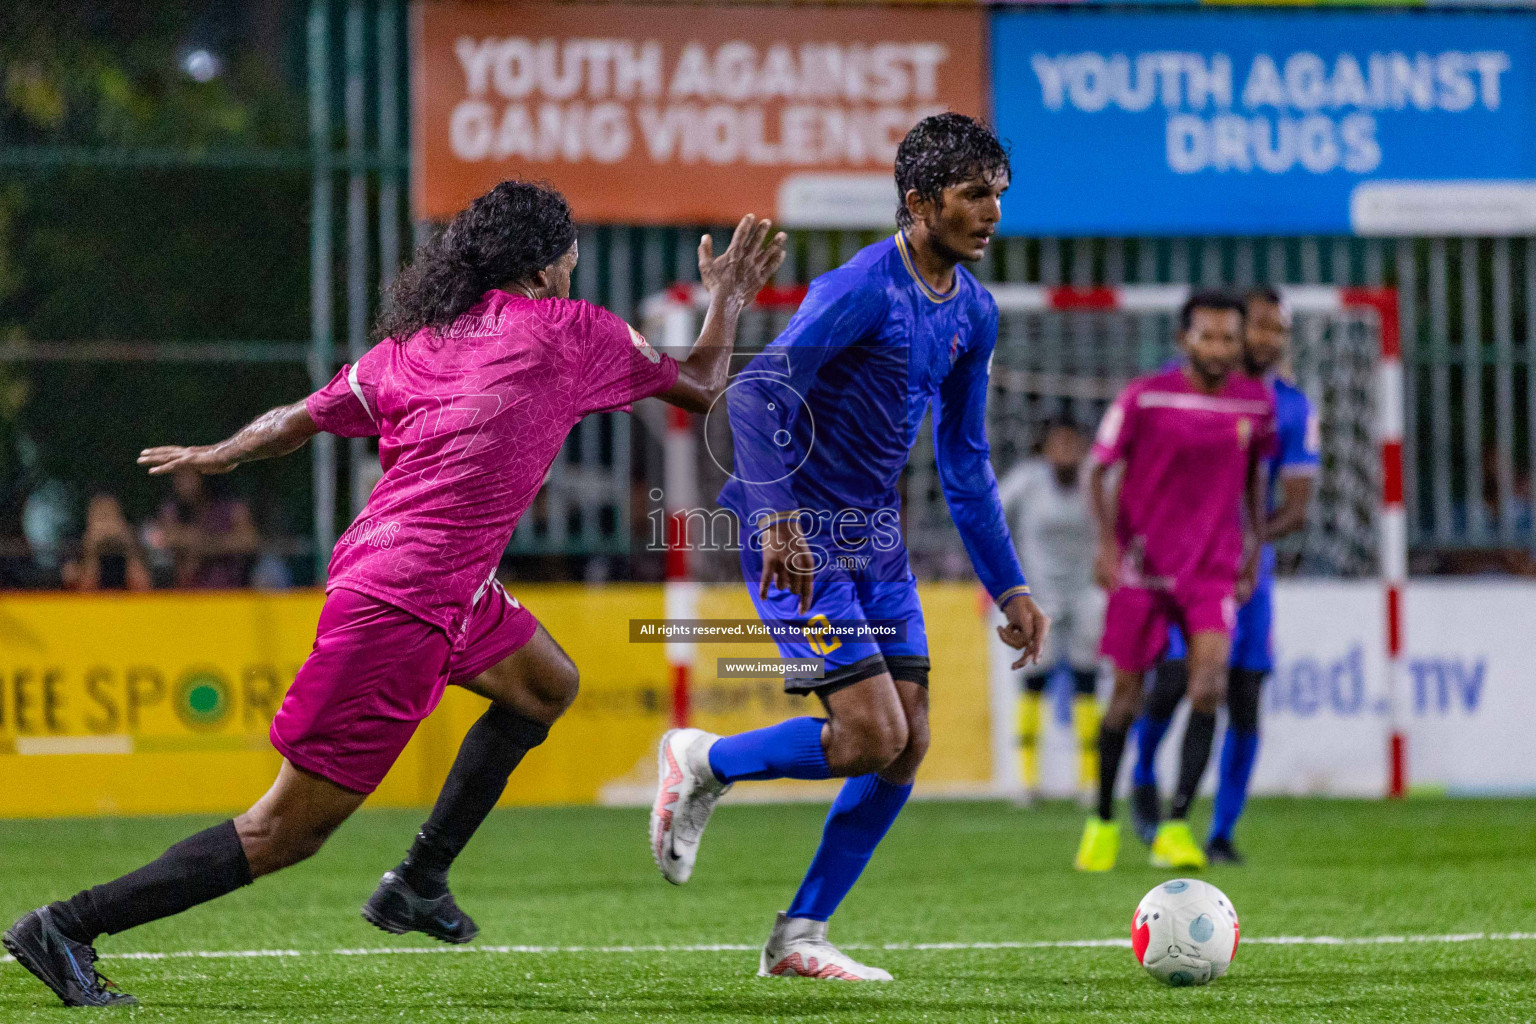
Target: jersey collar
{"points": [[922, 285]]}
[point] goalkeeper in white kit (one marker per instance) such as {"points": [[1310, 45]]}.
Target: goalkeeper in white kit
{"points": [[1046, 502]]}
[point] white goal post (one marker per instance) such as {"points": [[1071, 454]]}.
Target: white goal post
{"points": [[1071, 349]]}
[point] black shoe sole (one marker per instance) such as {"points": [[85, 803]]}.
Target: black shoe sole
{"points": [[384, 924], [20, 954], [23, 957]]}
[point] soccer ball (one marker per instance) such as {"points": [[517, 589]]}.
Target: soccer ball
{"points": [[1184, 932]]}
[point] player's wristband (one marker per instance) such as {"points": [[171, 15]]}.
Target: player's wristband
{"points": [[1011, 593]]}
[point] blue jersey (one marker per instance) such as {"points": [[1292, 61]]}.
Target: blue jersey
{"points": [[1297, 451], [824, 419]]}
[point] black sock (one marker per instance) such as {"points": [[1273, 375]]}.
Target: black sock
{"points": [[1168, 685], [491, 749], [1197, 751], [195, 870], [1111, 747]]}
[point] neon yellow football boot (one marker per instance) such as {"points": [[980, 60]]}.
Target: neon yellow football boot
{"points": [[1100, 845], [1174, 847]]}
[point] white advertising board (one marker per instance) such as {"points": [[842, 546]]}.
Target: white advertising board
{"points": [[1467, 698]]}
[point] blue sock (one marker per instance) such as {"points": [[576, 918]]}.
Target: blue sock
{"points": [[1149, 734], [789, 750], [860, 817], [1238, 754]]}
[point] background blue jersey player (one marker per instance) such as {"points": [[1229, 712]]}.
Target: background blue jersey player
{"points": [[823, 422], [1291, 475]]}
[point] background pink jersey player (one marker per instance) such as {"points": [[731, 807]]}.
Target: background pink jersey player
{"points": [[1186, 458], [1178, 544], [484, 367]]}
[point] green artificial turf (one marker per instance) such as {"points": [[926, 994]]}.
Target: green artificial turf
{"points": [[948, 873]]}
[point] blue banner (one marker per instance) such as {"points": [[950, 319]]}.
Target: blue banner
{"points": [[1231, 122]]}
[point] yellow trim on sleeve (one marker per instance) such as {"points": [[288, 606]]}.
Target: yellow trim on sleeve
{"points": [[1011, 593]]}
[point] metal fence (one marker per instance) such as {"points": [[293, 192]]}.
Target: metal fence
{"points": [[1468, 309], [1468, 306]]}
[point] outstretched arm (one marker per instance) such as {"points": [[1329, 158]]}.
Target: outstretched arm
{"points": [[275, 432]]}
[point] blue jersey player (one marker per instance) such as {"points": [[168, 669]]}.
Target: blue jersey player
{"points": [[823, 421], [1291, 474]]}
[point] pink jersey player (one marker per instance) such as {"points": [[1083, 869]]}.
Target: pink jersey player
{"points": [[1178, 541], [1179, 523], [468, 419], [485, 366], [468, 422]]}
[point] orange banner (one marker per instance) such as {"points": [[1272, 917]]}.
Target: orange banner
{"points": [[661, 114]]}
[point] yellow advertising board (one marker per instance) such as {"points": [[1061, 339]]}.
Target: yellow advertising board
{"points": [[160, 703]]}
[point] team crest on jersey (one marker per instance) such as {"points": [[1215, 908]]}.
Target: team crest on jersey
{"points": [[644, 346], [1244, 431], [954, 348]]}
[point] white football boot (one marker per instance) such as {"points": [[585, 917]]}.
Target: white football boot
{"points": [[686, 793], [798, 948]]}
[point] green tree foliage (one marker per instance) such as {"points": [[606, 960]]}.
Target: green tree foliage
{"points": [[92, 252]]}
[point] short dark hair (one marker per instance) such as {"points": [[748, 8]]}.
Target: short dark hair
{"points": [[944, 150], [1263, 293], [1210, 298], [508, 234]]}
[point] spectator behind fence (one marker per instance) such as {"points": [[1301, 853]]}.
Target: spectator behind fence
{"points": [[110, 558], [210, 538]]}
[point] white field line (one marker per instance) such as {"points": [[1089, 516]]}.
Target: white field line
{"points": [[739, 947]]}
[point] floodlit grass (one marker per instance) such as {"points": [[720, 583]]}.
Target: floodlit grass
{"points": [[948, 873]]}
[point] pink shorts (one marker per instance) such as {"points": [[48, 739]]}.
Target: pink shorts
{"points": [[1137, 619], [375, 672]]}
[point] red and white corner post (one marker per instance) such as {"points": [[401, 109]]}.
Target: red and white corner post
{"points": [[680, 477], [1394, 518]]}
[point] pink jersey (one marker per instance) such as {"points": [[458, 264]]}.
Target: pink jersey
{"points": [[468, 423], [1186, 454]]}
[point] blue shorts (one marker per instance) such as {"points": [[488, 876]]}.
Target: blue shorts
{"points": [[847, 592], [1252, 649]]}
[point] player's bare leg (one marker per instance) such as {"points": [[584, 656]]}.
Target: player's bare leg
{"points": [[287, 825], [293, 819], [529, 691], [1209, 650], [1100, 845]]}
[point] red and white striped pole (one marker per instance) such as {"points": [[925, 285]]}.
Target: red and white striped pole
{"points": [[680, 476], [1394, 518]]}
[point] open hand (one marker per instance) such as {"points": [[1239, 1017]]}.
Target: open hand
{"points": [[746, 265], [200, 458], [1026, 629]]}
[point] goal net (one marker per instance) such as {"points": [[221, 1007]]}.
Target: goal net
{"points": [[1064, 352]]}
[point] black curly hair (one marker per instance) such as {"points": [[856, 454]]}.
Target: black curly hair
{"points": [[944, 150], [509, 234]]}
